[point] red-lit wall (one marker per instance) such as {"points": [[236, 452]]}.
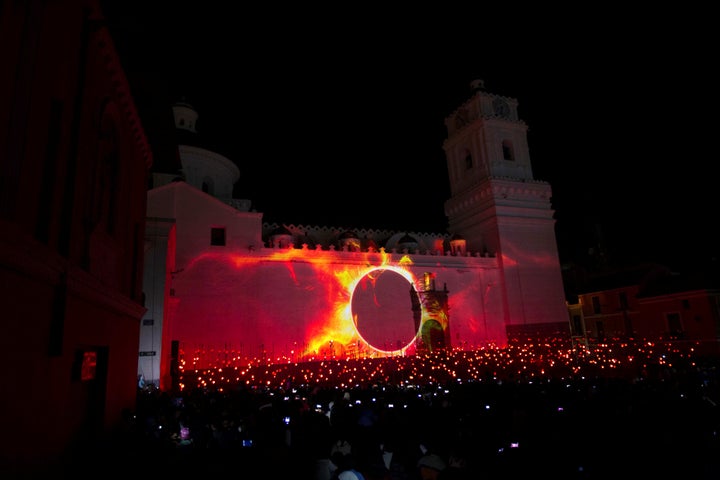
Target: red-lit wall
{"points": [[296, 303], [696, 312], [245, 300], [72, 208]]}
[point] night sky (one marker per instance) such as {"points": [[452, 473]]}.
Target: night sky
{"points": [[336, 117]]}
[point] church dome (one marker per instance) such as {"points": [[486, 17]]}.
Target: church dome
{"points": [[458, 244], [370, 244], [407, 241], [280, 237], [347, 234], [306, 239], [281, 230], [350, 241]]}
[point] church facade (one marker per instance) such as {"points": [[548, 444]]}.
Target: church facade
{"points": [[223, 288]]}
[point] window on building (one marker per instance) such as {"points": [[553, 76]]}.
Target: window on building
{"points": [[217, 236], [600, 328], [208, 186], [623, 301], [596, 305], [674, 324], [50, 163], [85, 365], [507, 150], [577, 325], [686, 304], [468, 161]]}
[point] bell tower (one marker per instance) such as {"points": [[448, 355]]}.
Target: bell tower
{"points": [[499, 208]]}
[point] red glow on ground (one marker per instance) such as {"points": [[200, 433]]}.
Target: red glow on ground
{"points": [[556, 358]]}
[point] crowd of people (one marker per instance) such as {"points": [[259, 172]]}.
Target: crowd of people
{"points": [[629, 410]]}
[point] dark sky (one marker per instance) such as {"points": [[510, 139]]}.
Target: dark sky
{"points": [[336, 117]]}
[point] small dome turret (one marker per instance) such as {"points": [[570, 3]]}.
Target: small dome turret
{"points": [[349, 240], [407, 242], [458, 244], [185, 116], [280, 237]]}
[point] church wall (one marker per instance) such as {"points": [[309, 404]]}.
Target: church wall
{"points": [[534, 282], [234, 301], [158, 257], [161, 201], [298, 303], [196, 213]]}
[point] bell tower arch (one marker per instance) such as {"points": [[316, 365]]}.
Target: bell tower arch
{"points": [[497, 206]]}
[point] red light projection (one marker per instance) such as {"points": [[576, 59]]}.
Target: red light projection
{"points": [[288, 305]]}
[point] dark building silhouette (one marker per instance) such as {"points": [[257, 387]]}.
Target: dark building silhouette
{"points": [[73, 174]]}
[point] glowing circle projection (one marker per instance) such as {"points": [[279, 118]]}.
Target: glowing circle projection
{"points": [[385, 310]]}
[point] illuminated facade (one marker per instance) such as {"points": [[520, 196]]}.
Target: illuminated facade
{"points": [[224, 288]]}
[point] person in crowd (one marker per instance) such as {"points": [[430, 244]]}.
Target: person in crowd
{"points": [[346, 467]]}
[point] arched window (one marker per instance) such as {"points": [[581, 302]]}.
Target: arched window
{"points": [[507, 150], [208, 186]]}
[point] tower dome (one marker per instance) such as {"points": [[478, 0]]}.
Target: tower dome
{"points": [[204, 169]]}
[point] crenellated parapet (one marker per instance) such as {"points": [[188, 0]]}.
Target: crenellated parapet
{"points": [[364, 240]]}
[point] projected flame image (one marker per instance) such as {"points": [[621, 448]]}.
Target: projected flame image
{"points": [[297, 304], [281, 305]]}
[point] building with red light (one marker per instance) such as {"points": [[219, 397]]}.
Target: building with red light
{"points": [[222, 287], [73, 176], [647, 302]]}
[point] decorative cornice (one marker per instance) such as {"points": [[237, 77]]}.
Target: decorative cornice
{"points": [[377, 241], [123, 96], [501, 190]]}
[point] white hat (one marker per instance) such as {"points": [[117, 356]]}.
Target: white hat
{"points": [[348, 475], [432, 460]]}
